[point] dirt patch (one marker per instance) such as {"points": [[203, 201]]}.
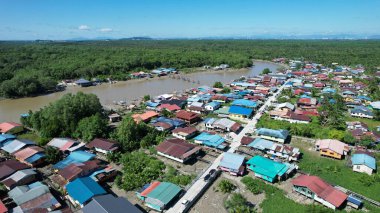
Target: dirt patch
{"points": [[213, 200]]}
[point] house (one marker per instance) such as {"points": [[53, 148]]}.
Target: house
{"points": [[220, 98], [15, 145], [177, 149], [32, 155], [11, 128], [180, 103], [19, 178], [159, 195], [267, 169], [103, 174], [74, 157], [5, 138], [317, 189], [307, 102], [35, 197], [66, 144], [172, 121], [189, 117], [222, 112], [354, 202], [232, 163], [83, 82], [163, 126], [245, 140], [361, 112], [185, 132], [238, 112], [110, 204], [9, 167], [168, 107], [223, 125], [363, 163], [375, 105], [273, 135], [151, 105], [212, 106], [103, 145], [284, 106], [145, 117], [244, 103], [81, 190], [114, 117], [275, 150], [357, 125], [211, 140], [332, 148]]}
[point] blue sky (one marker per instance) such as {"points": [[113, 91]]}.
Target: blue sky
{"points": [[65, 19]]}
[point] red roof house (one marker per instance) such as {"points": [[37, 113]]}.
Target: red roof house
{"points": [[319, 190], [103, 145], [190, 117], [177, 149], [10, 128]]}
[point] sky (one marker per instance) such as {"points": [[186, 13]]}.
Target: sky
{"points": [[69, 19]]}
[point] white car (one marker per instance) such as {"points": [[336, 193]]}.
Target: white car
{"points": [[185, 202]]}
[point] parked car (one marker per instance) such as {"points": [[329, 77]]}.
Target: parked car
{"points": [[207, 177], [212, 171], [185, 202]]}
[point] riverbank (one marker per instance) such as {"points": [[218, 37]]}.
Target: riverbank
{"points": [[10, 109]]}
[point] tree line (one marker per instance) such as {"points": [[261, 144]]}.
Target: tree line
{"points": [[40, 64]]}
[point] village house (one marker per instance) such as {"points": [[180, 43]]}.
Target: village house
{"points": [[175, 122], [145, 117], [196, 107], [184, 133], [19, 178], [163, 126], [273, 135], [317, 189], [74, 157], [361, 112], [223, 125], [10, 128], [212, 106], [103, 146], [211, 140], [307, 103], [33, 197], [32, 156], [110, 204], [189, 117], [275, 150], [4, 138], [9, 167], [159, 195], [269, 170], [81, 190], [16, 145], [177, 149], [332, 148], [238, 112], [363, 163], [66, 145], [232, 163]]}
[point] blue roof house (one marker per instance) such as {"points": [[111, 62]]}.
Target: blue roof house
{"points": [[207, 139], [261, 144], [267, 169], [232, 163], [273, 135], [239, 112], [74, 157], [6, 137], [81, 190], [212, 106], [361, 112], [244, 103], [363, 163]]}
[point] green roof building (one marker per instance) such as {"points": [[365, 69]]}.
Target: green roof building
{"points": [[158, 195], [267, 169]]}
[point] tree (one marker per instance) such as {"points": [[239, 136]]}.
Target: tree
{"points": [[332, 112], [218, 84], [61, 118], [266, 71], [226, 186], [348, 138], [167, 113], [146, 97], [226, 90], [53, 155], [366, 141], [92, 127]]}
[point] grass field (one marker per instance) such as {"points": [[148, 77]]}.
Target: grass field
{"points": [[337, 172]]}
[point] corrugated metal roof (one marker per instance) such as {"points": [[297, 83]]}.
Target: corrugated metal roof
{"points": [[165, 192], [363, 159], [25, 193], [231, 161], [261, 144], [266, 166], [283, 134], [16, 145], [83, 189], [74, 157], [110, 204], [245, 103], [240, 110]]}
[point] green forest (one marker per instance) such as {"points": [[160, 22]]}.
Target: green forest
{"points": [[32, 68]]}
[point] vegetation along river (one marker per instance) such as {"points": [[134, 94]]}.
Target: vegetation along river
{"points": [[10, 109]]}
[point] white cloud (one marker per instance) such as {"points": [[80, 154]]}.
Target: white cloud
{"points": [[105, 30], [83, 27]]}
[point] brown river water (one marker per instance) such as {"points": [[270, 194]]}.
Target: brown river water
{"points": [[10, 109]]}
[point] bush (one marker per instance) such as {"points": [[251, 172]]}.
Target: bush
{"points": [[226, 186]]}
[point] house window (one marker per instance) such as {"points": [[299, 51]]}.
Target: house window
{"points": [[358, 167]]}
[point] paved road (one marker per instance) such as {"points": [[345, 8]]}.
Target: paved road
{"points": [[198, 185]]}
